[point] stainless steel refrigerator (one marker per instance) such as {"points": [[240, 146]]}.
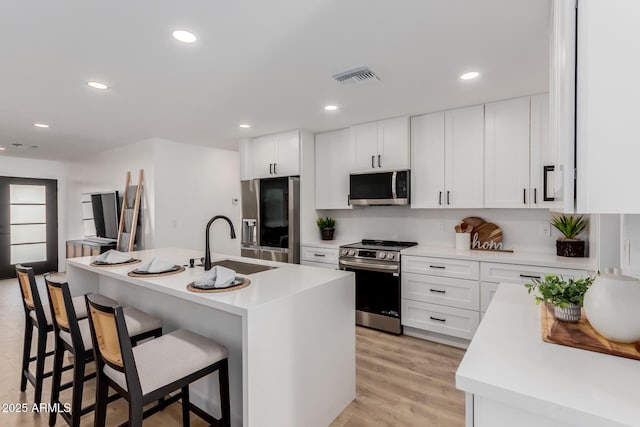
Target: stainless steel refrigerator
{"points": [[271, 219]]}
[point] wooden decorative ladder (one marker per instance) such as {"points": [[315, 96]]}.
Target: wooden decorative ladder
{"points": [[129, 214]]}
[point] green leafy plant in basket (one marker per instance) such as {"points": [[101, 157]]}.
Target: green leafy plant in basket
{"points": [[570, 227], [327, 227], [566, 296]]}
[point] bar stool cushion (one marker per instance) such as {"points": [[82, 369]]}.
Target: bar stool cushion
{"points": [[137, 322], [169, 358], [78, 304]]}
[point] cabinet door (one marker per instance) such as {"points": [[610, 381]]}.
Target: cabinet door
{"points": [[263, 151], [427, 161], [543, 154], [393, 143], [334, 160], [506, 173], [365, 143], [464, 157], [288, 154]]}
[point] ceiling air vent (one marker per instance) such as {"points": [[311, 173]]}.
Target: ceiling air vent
{"points": [[357, 75]]}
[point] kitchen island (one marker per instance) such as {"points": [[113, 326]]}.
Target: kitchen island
{"points": [[513, 378], [290, 333]]}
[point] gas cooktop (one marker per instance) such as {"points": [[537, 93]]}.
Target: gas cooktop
{"points": [[387, 245]]}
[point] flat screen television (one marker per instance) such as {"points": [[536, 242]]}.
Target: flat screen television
{"points": [[105, 214]]}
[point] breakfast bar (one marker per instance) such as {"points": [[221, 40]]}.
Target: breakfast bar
{"points": [[290, 333]]}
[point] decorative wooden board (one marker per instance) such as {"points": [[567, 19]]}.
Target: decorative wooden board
{"points": [[246, 282], [168, 273], [120, 264], [582, 335], [485, 236], [473, 220]]}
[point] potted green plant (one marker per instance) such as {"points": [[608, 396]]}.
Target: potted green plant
{"points": [[327, 227], [566, 296], [571, 227]]}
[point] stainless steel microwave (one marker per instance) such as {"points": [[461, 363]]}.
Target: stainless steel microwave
{"points": [[379, 188]]}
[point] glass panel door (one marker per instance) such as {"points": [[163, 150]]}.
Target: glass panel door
{"points": [[28, 224], [274, 212]]}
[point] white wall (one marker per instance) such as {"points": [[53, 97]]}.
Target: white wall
{"points": [[521, 228], [193, 184], [44, 169]]}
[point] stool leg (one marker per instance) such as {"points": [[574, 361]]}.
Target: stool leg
{"points": [[78, 386], [135, 412], [42, 350], [225, 405], [102, 394], [56, 380], [26, 352], [186, 421]]}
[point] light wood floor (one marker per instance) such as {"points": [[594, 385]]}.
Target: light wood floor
{"points": [[401, 381]]}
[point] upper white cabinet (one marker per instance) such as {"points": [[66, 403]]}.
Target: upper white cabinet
{"points": [[447, 159], [381, 145], [464, 157], [275, 155], [334, 160], [518, 154], [506, 130]]}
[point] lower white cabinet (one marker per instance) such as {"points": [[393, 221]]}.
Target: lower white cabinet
{"points": [[317, 256], [487, 291], [441, 290], [445, 320]]}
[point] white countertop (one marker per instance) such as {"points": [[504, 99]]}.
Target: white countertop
{"points": [[265, 287], [526, 258], [507, 361]]}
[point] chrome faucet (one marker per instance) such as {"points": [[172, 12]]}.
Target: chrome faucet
{"points": [[207, 249]]}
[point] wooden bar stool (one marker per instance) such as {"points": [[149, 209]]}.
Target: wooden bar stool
{"points": [[37, 315], [74, 335], [153, 369]]}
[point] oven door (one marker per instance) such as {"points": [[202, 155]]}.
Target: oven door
{"points": [[377, 294]]}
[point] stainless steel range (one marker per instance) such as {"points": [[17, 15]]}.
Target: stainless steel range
{"points": [[376, 264]]}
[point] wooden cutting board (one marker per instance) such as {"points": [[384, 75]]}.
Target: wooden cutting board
{"points": [[473, 220], [581, 335], [487, 232]]}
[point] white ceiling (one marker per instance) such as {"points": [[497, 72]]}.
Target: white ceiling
{"points": [[268, 63]]}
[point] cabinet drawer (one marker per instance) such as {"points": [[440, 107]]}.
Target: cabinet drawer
{"points": [[454, 268], [514, 273], [317, 254], [459, 293], [456, 322]]}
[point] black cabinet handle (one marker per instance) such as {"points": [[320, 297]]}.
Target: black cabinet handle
{"points": [[448, 197], [440, 198], [373, 165], [527, 276], [321, 255], [437, 319], [379, 161], [274, 168], [438, 291], [535, 196], [524, 196], [441, 267], [546, 170], [270, 168]]}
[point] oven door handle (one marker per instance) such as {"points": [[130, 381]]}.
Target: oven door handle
{"points": [[370, 266]]}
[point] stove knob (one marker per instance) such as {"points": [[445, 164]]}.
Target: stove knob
{"points": [[391, 257], [343, 252], [383, 255], [351, 252]]}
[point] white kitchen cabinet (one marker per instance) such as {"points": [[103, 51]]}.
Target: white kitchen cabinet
{"points": [[543, 153], [275, 155], [506, 155], [459, 293], [447, 159], [333, 162], [427, 161], [454, 268], [381, 145], [455, 322], [464, 157], [317, 256]]}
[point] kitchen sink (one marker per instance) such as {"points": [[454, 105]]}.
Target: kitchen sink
{"points": [[242, 267]]}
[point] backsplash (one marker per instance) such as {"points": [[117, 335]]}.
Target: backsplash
{"points": [[522, 228]]}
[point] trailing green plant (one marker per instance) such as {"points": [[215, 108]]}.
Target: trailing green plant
{"points": [[326, 222], [558, 291], [570, 226]]}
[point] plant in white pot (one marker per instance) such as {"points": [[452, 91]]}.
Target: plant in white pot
{"points": [[327, 227], [566, 296], [571, 227]]}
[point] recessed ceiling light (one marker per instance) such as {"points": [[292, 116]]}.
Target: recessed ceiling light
{"points": [[98, 85], [41, 125], [244, 126], [184, 36], [2, 148], [470, 75], [331, 107]]}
